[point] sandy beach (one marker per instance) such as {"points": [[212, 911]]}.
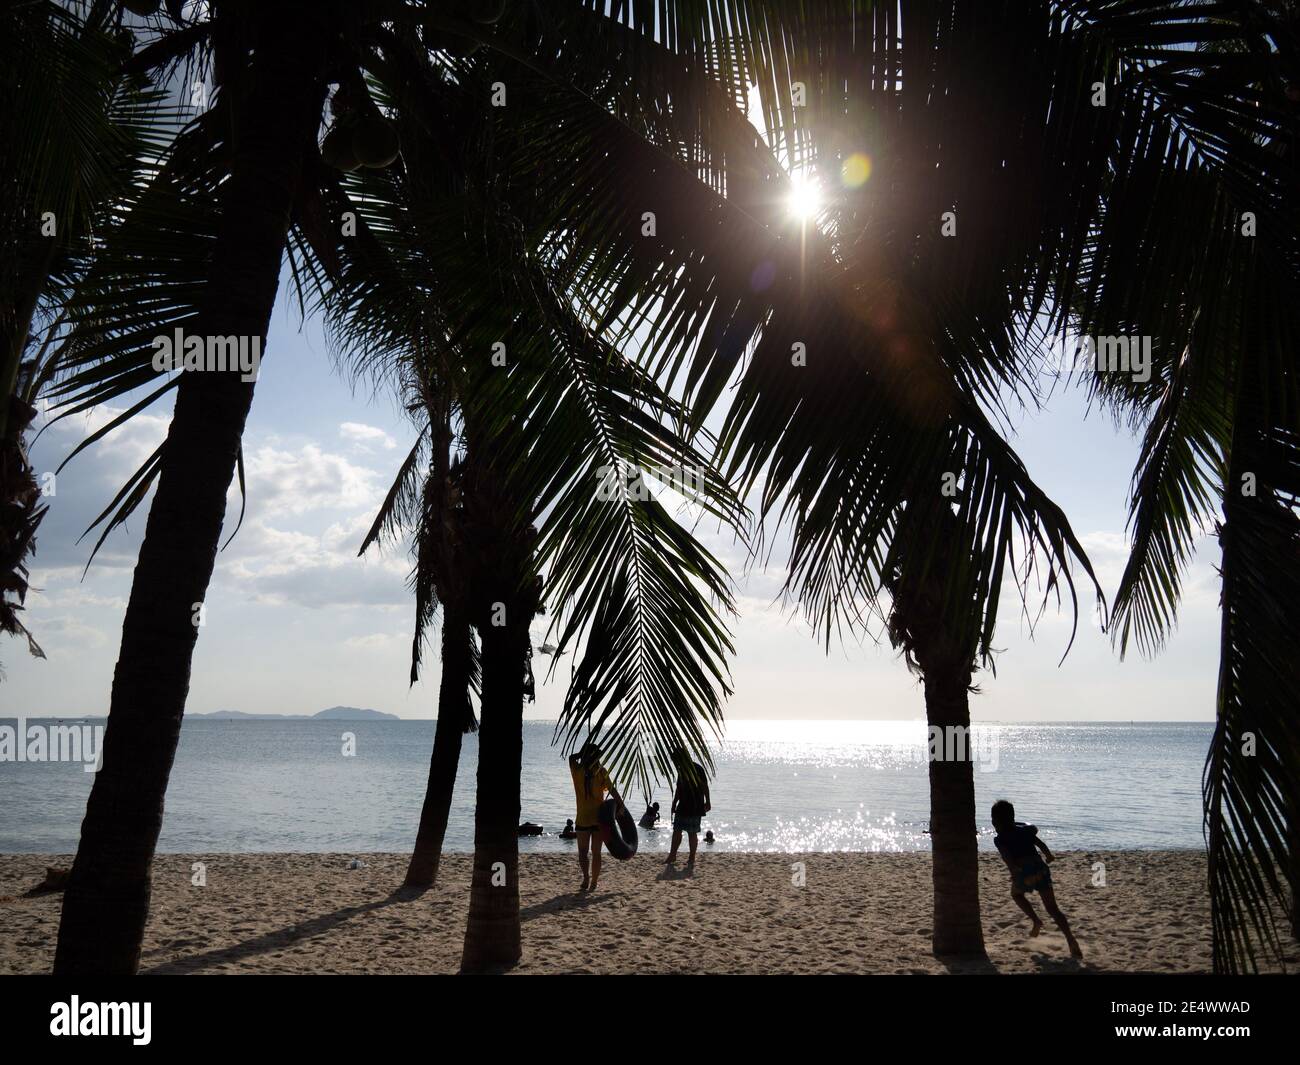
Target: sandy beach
{"points": [[737, 913]]}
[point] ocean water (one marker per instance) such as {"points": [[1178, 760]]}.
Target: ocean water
{"points": [[779, 786]]}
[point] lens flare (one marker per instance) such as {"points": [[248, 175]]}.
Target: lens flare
{"points": [[856, 170]]}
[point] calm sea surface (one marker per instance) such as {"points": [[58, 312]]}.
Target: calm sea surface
{"points": [[780, 786]]}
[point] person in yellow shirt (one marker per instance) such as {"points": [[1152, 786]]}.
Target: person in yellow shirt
{"points": [[590, 783]]}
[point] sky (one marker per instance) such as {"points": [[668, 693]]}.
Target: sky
{"points": [[296, 622]]}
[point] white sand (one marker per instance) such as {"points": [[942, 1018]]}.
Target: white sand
{"points": [[738, 913]]}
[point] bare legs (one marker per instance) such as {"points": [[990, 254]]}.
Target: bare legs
{"points": [[1049, 904], [1054, 911], [677, 842], [587, 838], [584, 839], [1028, 907]]}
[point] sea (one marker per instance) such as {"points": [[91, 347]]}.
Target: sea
{"points": [[781, 786]]}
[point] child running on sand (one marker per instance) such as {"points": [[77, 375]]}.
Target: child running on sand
{"points": [[1018, 843]]}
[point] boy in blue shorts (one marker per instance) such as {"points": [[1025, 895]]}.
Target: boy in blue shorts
{"points": [[1018, 843]]}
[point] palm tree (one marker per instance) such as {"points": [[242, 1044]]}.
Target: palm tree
{"points": [[198, 247], [455, 718], [1218, 157], [1221, 431], [623, 580], [438, 578], [273, 62], [508, 594], [434, 515], [936, 648]]}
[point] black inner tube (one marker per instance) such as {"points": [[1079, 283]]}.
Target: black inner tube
{"points": [[617, 830]]}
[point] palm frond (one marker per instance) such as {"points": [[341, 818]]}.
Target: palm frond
{"points": [[1251, 788], [441, 276]]}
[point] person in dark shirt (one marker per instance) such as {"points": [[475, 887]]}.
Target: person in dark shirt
{"points": [[691, 802], [650, 818], [1018, 843]]}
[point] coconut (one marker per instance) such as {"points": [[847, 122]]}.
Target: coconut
{"points": [[374, 142], [336, 149], [492, 15]]}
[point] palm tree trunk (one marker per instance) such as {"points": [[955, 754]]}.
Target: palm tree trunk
{"points": [[453, 718], [955, 855], [107, 901], [492, 936]]}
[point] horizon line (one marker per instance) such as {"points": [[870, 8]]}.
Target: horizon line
{"points": [[389, 717]]}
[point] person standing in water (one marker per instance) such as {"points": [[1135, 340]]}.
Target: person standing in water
{"points": [[590, 783], [690, 803]]}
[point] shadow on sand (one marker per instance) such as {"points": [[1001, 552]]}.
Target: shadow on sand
{"points": [[1055, 963], [562, 903], [972, 965], [1044, 963], [278, 939]]}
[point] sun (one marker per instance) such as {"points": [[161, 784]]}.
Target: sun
{"points": [[805, 199]]}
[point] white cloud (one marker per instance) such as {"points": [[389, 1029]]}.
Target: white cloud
{"points": [[113, 457], [295, 482], [86, 486], [58, 633], [280, 567], [366, 437], [282, 555]]}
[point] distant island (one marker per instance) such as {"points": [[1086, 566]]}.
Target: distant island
{"points": [[334, 713]]}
